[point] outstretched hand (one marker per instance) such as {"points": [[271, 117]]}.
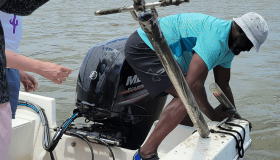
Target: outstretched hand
{"points": [[54, 72], [28, 81]]}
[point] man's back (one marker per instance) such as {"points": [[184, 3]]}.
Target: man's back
{"points": [[188, 32]]}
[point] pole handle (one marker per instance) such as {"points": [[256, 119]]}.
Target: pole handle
{"points": [[162, 3]]}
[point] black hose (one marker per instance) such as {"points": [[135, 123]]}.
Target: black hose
{"points": [[52, 157], [50, 145], [47, 144], [86, 140], [104, 143], [60, 132]]}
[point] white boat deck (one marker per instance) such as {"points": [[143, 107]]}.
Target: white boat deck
{"points": [[180, 144]]}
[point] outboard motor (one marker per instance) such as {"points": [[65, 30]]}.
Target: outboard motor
{"points": [[110, 94]]}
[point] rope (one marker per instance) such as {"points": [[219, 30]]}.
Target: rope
{"points": [[239, 143]]}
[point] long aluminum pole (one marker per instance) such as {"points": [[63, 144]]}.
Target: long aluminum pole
{"points": [[132, 8]]}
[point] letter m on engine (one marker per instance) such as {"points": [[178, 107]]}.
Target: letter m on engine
{"points": [[132, 80]]}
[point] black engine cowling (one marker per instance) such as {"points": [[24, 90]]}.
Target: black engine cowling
{"points": [[110, 93]]}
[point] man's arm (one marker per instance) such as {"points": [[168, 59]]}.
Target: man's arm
{"points": [[196, 77], [222, 78], [51, 71]]}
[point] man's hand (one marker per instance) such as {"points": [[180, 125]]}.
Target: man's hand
{"points": [[54, 72], [28, 81], [220, 113]]}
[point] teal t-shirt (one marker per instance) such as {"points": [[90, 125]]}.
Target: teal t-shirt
{"points": [[188, 32]]}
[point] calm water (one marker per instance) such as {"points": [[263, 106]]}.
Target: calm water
{"points": [[63, 31]]}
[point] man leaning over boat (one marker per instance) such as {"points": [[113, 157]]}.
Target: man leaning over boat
{"points": [[199, 44]]}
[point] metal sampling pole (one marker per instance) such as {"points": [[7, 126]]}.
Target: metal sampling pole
{"points": [[150, 25]]}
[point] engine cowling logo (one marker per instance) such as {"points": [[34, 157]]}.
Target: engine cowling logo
{"points": [[93, 75], [132, 80]]}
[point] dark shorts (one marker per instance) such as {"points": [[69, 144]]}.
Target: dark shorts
{"points": [[147, 66]]}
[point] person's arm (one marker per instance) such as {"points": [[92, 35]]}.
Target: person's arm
{"points": [[222, 78], [196, 77], [51, 71]]}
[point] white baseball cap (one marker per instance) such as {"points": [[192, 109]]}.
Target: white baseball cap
{"points": [[255, 28]]}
